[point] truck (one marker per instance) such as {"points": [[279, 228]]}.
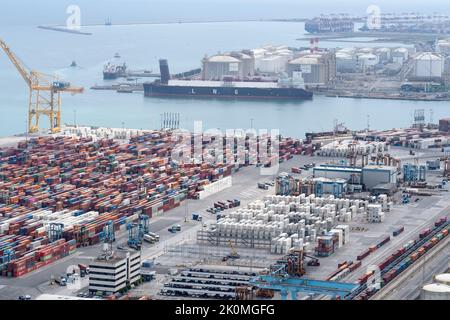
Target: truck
{"points": [[174, 228], [296, 170], [196, 217], [263, 186], [62, 281], [84, 269], [154, 235], [149, 238]]}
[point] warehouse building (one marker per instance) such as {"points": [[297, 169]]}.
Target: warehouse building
{"points": [[329, 185], [350, 174], [369, 176], [110, 274], [374, 175]]}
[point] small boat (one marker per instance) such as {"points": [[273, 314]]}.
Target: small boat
{"points": [[117, 55], [73, 64], [124, 88]]}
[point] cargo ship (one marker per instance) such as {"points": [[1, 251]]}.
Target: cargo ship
{"points": [[111, 71], [329, 24], [283, 89]]}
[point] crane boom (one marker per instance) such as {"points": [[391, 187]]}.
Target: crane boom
{"points": [[45, 94], [19, 66]]}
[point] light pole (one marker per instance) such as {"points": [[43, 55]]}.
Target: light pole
{"points": [[251, 123], [75, 118]]}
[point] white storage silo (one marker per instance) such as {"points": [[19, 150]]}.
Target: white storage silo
{"points": [[345, 62], [443, 278], [384, 54], [443, 46], [436, 291], [365, 50], [367, 61], [428, 65], [248, 65], [217, 66], [312, 70], [400, 55]]}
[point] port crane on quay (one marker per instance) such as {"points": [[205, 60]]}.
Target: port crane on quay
{"points": [[286, 276], [44, 96]]}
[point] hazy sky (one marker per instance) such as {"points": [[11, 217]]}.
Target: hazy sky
{"points": [[29, 12]]}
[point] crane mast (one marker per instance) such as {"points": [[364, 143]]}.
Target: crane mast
{"points": [[44, 94]]}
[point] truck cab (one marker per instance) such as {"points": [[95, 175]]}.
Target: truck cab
{"points": [[62, 281], [154, 235], [149, 238]]}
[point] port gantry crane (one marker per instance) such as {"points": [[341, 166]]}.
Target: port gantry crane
{"points": [[45, 94]]}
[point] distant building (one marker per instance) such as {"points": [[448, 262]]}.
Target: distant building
{"points": [[350, 174], [374, 175], [111, 273], [444, 125], [369, 176]]}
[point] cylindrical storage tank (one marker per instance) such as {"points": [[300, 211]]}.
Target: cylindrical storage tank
{"points": [[400, 55], [384, 54], [215, 67], [313, 72], [367, 60], [435, 291], [443, 278], [247, 60], [443, 47], [428, 65], [365, 50], [345, 62], [346, 50]]}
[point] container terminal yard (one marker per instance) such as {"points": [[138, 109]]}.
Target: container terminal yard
{"points": [[335, 208], [101, 213]]}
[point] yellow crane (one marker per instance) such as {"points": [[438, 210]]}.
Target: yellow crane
{"points": [[45, 94]]}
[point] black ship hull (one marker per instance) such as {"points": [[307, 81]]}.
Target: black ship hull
{"points": [[161, 90], [110, 75]]}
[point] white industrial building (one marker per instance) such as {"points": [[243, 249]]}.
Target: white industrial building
{"points": [[428, 65], [373, 175], [110, 273], [369, 176], [351, 174]]}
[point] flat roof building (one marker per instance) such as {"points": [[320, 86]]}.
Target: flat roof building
{"points": [[373, 175], [112, 273]]}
